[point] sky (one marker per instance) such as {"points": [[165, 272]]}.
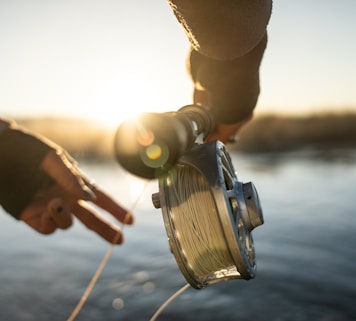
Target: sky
{"points": [[108, 60]]}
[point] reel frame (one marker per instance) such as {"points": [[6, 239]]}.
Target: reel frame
{"points": [[238, 209]]}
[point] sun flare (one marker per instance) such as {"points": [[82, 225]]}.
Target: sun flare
{"points": [[125, 96]]}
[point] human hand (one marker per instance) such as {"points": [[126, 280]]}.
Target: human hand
{"points": [[226, 133], [228, 88], [54, 206]]}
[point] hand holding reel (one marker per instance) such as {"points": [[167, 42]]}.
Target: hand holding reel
{"points": [[208, 214]]}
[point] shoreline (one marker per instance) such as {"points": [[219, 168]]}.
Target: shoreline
{"points": [[265, 133]]}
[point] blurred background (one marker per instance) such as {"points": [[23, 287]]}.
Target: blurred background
{"points": [[104, 60], [73, 70]]}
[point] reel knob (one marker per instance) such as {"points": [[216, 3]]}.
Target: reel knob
{"points": [[254, 213], [156, 201]]}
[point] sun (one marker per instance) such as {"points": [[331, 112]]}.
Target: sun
{"points": [[125, 96]]}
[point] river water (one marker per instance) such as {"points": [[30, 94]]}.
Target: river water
{"points": [[306, 253]]}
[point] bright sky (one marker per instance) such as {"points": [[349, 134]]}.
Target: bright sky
{"points": [[108, 59]]}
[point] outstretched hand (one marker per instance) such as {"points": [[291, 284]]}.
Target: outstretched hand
{"points": [[54, 207]]}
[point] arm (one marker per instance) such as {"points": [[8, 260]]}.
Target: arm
{"points": [[42, 185], [223, 29], [228, 39]]}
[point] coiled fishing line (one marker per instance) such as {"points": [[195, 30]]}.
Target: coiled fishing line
{"points": [[194, 211], [208, 216]]}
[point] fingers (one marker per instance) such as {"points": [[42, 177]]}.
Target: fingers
{"points": [[105, 202], [75, 188], [74, 182], [226, 132], [58, 213], [64, 172], [97, 223], [45, 218]]}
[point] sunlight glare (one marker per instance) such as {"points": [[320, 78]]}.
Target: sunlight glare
{"points": [[125, 96]]}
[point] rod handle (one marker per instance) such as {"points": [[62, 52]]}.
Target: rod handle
{"points": [[150, 144]]}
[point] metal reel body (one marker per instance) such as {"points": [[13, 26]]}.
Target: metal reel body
{"points": [[235, 207]]}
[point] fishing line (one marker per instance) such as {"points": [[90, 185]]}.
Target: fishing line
{"points": [[195, 213], [168, 301], [209, 215], [105, 260]]}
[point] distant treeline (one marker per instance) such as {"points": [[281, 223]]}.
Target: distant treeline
{"points": [[81, 138], [265, 133], [284, 133]]}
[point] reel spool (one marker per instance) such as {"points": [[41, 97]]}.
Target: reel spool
{"points": [[208, 216]]}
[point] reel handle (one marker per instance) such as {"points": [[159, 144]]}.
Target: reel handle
{"points": [[149, 145]]}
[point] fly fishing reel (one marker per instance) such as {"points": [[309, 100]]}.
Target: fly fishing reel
{"points": [[209, 216], [208, 213]]}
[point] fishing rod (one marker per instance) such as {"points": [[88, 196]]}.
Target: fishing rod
{"points": [[208, 213]]}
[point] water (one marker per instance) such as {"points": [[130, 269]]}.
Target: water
{"points": [[306, 254]]}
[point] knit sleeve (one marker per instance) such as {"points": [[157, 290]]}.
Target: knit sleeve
{"points": [[233, 85], [223, 29]]}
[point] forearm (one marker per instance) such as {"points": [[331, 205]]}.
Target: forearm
{"points": [[233, 86], [228, 39], [223, 29]]}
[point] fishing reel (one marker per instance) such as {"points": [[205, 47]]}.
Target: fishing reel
{"points": [[208, 213]]}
